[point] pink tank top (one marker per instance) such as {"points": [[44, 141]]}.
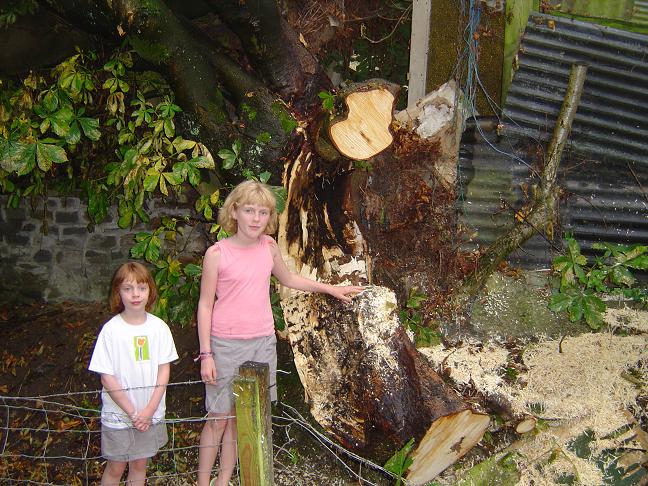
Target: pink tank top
{"points": [[242, 309]]}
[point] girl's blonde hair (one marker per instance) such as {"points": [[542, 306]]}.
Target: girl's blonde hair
{"points": [[248, 192], [131, 271]]}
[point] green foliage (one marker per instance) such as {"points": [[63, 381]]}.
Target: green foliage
{"points": [[293, 455], [178, 283], [497, 470], [120, 150], [231, 158], [288, 123], [110, 133], [12, 9], [328, 100], [400, 462], [410, 317], [581, 285], [277, 311], [363, 165], [97, 128]]}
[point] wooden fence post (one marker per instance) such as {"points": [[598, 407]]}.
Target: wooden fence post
{"points": [[254, 424]]}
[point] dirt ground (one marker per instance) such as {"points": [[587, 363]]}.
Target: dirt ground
{"points": [[49, 435]]}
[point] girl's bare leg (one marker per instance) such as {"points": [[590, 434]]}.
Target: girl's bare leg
{"points": [[210, 441], [228, 454], [113, 473], [137, 472]]}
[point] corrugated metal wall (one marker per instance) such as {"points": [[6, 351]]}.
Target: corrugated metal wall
{"points": [[603, 171], [601, 201], [490, 186], [612, 119], [640, 12]]}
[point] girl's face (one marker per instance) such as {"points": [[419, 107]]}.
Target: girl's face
{"points": [[134, 295], [251, 220]]}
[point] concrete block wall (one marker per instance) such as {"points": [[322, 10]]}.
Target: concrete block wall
{"points": [[50, 251]]}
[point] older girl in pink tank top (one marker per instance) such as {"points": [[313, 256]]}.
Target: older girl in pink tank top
{"points": [[235, 321]]}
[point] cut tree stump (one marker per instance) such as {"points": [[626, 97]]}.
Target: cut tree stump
{"points": [[364, 132], [366, 381]]}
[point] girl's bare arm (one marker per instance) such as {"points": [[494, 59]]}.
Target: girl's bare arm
{"points": [[294, 281], [116, 391], [205, 306], [142, 419]]}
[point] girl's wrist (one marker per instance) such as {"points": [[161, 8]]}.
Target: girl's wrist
{"points": [[203, 355]]}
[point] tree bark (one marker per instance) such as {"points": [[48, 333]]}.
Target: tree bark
{"points": [[36, 40]]}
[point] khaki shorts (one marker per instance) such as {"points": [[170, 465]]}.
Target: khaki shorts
{"points": [[130, 444], [229, 355]]}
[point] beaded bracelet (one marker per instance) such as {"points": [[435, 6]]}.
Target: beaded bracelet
{"points": [[204, 355]]}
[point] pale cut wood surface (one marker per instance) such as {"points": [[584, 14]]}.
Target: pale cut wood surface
{"points": [[445, 442], [365, 131]]}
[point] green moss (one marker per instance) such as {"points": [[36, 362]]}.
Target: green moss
{"points": [[511, 307], [151, 51], [447, 42]]}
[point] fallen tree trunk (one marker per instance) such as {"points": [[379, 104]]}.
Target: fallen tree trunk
{"points": [[365, 380]]}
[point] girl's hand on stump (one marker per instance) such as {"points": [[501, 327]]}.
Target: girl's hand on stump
{"points": [[345, 292]]}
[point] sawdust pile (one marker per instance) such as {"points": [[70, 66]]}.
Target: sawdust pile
{"points": [[546, 457], [585, 388], [626, 318], [583, 382], [483, 366]]}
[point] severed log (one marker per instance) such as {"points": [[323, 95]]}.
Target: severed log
{"points": [[542, 212], [367, 384], [364, 131], [526, 425], [449, 439]]}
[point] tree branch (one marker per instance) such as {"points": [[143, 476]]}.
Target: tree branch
{"points": [[543, 210]]}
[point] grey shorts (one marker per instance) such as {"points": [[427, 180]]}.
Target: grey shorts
{"points": [[129, 444], [229, 354]]}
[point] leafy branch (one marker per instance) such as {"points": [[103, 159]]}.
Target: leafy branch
{"points": [[582, 285]]}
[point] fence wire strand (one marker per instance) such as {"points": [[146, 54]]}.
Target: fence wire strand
{"points": [[58, 434]]}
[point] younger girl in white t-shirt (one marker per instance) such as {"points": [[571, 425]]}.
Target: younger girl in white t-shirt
{"points": [[132, 354]]}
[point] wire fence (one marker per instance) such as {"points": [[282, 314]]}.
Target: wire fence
{"points": [[55, 440]]}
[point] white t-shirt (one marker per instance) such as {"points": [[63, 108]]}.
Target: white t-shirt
{"points": [[132, 353]]}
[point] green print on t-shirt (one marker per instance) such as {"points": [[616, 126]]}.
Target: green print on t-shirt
{"points": [[141, 348]]}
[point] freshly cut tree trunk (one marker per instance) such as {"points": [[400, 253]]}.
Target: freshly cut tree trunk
{"points": [[445, 443], [363, 376], [364, 379], [364, 132]]}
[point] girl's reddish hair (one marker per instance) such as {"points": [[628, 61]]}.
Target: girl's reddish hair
{"points": [[131, 271]]}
